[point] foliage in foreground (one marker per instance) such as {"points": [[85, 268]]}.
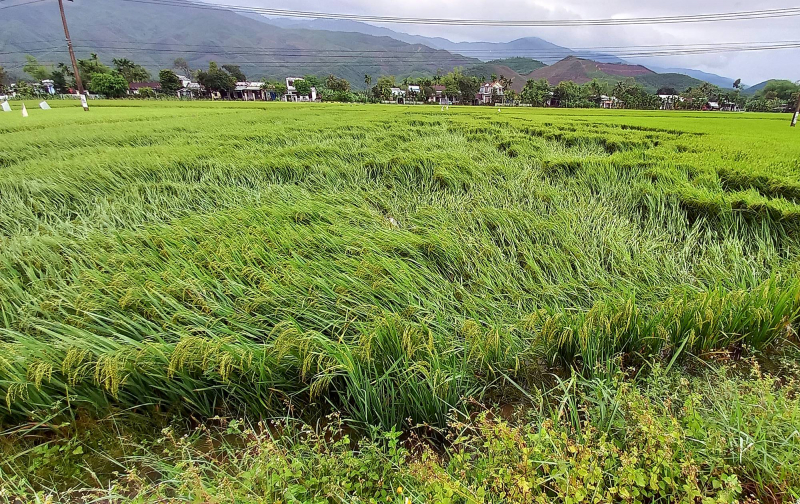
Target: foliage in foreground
{"points": [[710, 439]]}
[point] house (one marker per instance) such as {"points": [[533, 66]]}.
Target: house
{"points": [[711, 105], [249, 91], [188, 88], [291, 91], [609, 102], [729, 107], [668, 101], [134, 87], [439, 96], [490, 93], [398, 95]]}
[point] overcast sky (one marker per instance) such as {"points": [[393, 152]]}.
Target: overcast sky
{"points": [[752, 67]]}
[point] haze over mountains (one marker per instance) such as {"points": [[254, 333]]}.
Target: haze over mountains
{"points": [[530, 47], [154, 35]]}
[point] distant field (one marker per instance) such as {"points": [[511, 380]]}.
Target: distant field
{"points": [[388, 262]]}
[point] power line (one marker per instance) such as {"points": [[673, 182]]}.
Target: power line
{"points": [[402, 57], [693, 18], [21, 4]]}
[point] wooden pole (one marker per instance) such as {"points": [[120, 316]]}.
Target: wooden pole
{"points": [[71, 52]]}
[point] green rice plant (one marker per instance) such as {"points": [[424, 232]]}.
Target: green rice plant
{"points": [[388, 263]]}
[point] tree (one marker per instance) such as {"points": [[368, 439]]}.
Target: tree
{"points": [[778, 90], [3, 78], [337, 85], [671, 91], [59, 81], [468, 86], [130, 70], [537, 93], [367, 82], [34, 69], [568, 94], [303, 87], [182, 65], [111, 85], [737, 84], [236, 72], [90, 67], [312, 80], [383, 88], [596, 89], [216, 79], [170, 83], [146, 92]]}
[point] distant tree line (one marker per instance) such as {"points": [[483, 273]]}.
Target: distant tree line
{"points": [[457, 86]]}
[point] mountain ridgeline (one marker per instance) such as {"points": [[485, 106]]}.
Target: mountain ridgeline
{"points": [[154, 35]]}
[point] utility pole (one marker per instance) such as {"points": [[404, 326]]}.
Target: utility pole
{"points": [[69, 45]]}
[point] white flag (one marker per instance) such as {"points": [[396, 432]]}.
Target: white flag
{"points": [[83, 103], [24, 111], [6, 107], [44, 106]]}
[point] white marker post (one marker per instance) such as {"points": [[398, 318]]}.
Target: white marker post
{"points": [[6, 107], [44, 106], [83, 103], [24, 111]]}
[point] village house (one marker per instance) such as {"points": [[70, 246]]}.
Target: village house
{"points": [[135, 87], [188, 88], [398, 95], [249, 91], [291, 91], [668, 101], [609, 102], [490, 93], [439, 96]]}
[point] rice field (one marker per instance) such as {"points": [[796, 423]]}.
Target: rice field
{"points": [[392, 265]]}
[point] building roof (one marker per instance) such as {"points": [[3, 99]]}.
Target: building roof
{"points": [[139, 85], [248, 86]]}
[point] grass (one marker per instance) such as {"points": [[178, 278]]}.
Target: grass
{"points": [[394, 265]]}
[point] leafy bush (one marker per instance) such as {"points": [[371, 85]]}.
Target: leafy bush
{"points": [[110, 85]]}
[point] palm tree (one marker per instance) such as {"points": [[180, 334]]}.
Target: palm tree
{"points": [[367, 81]]}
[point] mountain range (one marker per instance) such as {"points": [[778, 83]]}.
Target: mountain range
{"points": [[153, 35]]}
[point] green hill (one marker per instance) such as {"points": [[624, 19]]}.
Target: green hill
{"points": [[154, 35], [679, 82], [520, 65]]}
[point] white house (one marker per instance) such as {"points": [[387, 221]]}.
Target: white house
{"points": [[668, 101], [291, 91], [188, 88], [489, 93], [249, 91]]}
